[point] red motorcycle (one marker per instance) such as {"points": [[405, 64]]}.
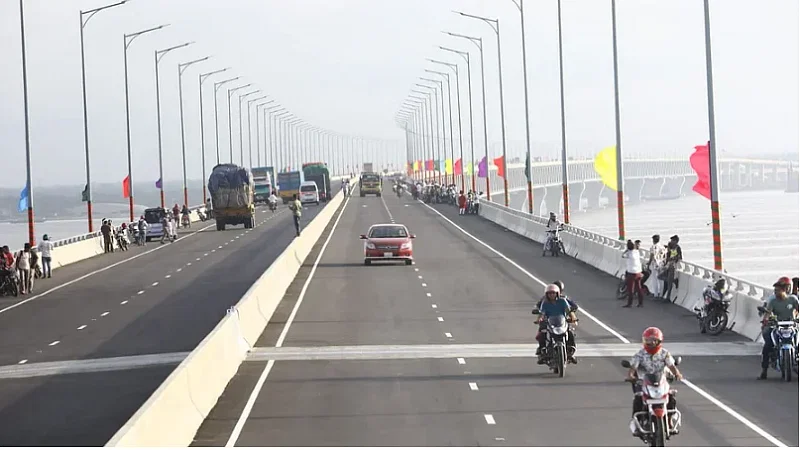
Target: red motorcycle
{"points": [[656, 423]]}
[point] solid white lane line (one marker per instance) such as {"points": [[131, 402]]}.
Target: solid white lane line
{"points": [[105, 314], [53, 343], [473, 386], [448, 335], [489, 419], [755, 428], [248, 407], [83, 277], [82, 327], [23, 361], [440, 319], [123, 302], [461, 361]]}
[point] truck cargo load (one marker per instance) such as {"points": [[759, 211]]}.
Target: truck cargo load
{"points": [[318, 173], [367, 168], [232, 188], [262, 177], [289, 183]]}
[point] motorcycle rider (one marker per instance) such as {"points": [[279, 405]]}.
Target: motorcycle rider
{"points": [[273, 200], [785, 307], [185, 214], [652, 358], [553, 305], [552, 224]]}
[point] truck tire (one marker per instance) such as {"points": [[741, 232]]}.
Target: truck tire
{"points": [[220, 225], [363, 194], [378, 194]]}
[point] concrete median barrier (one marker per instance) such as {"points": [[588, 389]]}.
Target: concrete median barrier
{"points": [[174, 413], [604, 253]]}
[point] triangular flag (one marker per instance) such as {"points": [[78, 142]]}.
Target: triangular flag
{"points": [[700, 162], [498, 162], [605, 164], [126, 187]]}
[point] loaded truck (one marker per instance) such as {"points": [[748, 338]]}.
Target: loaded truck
{"points": [[262, 177], [290, 184], [318, 173], [232, 189], [370, 183], [367, 168]]}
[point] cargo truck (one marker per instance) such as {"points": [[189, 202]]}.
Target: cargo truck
{"points": [[232, 189], [262, 177], [318, 173], [367, 168], [289, 183], [370, 183]]}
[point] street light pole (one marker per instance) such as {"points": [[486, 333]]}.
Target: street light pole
{"points": [[181, 69], [458, 101], [435, 126], [495, 25], [479, 43], [127, 41], [529, 175], [564, 171], [90, 13], [241, 133], [158, 55], [202, 78], [230, 119], [250, 130], [465, 55], [450, 111], [216, 111], [620, 173]]}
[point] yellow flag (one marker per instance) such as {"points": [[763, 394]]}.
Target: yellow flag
{"points": [[605, 164], [416, 166], [469, 169], [448, 166]]}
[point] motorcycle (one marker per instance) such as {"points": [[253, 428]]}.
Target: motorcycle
{"points": [[274, 206], [201, 215], [554, 245], [399, 191], [784, 343], [656, 424], [9, 284], [554, 352], [713, 313], [186, 222], [122, 240]]}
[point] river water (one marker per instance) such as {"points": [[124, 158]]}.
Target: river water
{"points": [[760, 230]]}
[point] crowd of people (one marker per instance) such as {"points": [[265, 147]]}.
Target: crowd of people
{"points": [[30, 263]]}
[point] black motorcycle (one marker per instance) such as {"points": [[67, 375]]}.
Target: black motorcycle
{"points": [[713, 313], [9, 284], [554, 353]]}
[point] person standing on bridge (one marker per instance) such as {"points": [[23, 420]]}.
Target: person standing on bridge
{"points": [[674, 256], [46, 250], [105, 229], [633, 274], [23, 266], [462, 203], [297, 212]]}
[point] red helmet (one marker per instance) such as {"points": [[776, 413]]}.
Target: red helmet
{"points": [[652, 339], [784, 282]]}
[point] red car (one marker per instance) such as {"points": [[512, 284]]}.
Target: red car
{"points": [[388, 242]]}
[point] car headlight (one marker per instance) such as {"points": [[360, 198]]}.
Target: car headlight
{"points": [[406, 246], [370, 246]]}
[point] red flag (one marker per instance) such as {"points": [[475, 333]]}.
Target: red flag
{"points": [[499, 163], [429, 165], [700, 163], [458, 169], [126, 187]]}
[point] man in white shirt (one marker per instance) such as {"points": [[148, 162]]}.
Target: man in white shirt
{"points": [[553, 224], [46, 250], [633, 274], [658, 255]]}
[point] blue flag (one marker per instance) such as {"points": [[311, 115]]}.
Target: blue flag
{"points": [[23, 200]]}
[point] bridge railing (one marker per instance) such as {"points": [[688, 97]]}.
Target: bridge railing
{"points": [[605, 253]]}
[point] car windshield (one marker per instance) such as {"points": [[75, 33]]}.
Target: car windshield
{"points": [[308, 188], [388, 232], [153, 216], [371, 179]]}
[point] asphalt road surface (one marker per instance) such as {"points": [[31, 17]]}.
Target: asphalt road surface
{"points": [[164, 300], [459, 291]]}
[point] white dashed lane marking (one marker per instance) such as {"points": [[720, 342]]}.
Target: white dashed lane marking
{"points": [[449, 335], [81, 327], [440, 319], [123, 302], [53, 343], [155, 283], [473, 386], [434, 306], [105, 314], [461, 361], [167, 276], [428, 294], [489, 419], [424, 284], [140, 293], [23, 361]]}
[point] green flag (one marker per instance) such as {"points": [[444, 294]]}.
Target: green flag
{"points": [[527, 165], [85, 194]]}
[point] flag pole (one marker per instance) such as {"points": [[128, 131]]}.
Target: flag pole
{"points": [[620, 177], [28, 186], [712, 147]]}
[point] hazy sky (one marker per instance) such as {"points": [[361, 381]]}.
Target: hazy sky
{"points": [[346, 65]]}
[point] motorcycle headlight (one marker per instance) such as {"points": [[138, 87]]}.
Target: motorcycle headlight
{"points": [[560, 330], [786, 332], [656, 391]]}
